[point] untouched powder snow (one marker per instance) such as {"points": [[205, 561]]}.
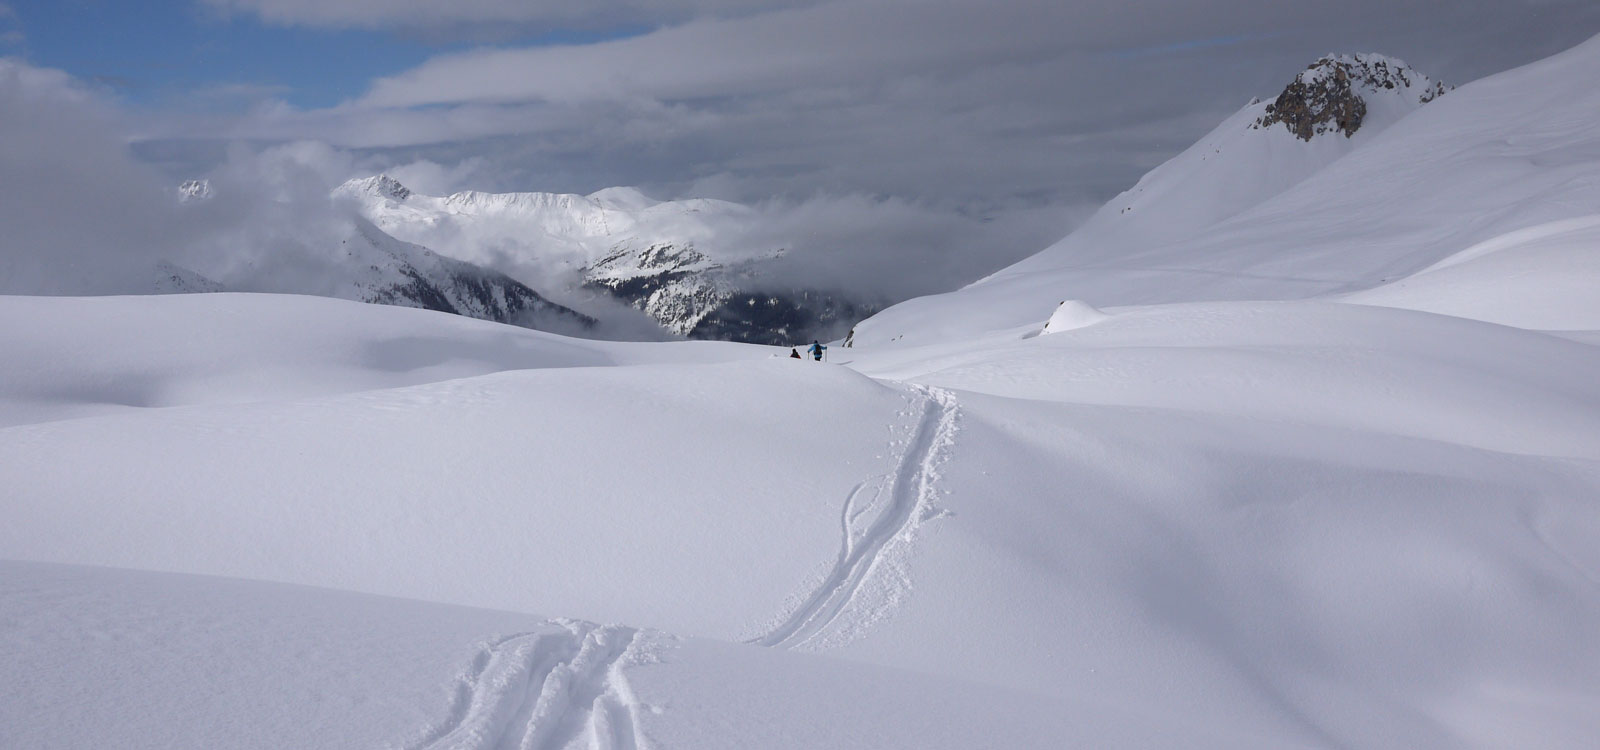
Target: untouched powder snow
{"points": [[89, 356], [1543, 277]]}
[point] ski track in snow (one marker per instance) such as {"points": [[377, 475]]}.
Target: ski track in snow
{"points": [[862, 549], [555, 687], [562, 685]]}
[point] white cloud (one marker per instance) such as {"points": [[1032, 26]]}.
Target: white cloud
{"points": [[417, 14], [79, 215], [919, 109]]}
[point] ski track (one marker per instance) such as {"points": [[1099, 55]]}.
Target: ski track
{"points": [[861, 549], [555, 687], [562, 685]]}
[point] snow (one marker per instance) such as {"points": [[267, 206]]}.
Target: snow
{"points": [[1310, 469], [544, 230], [1542, 277], [1071, 314], [101, 355], [1272, 217]]}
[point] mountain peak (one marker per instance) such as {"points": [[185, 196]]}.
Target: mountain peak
{"points": [[194, 190], [382, 186], [1333, 94]]}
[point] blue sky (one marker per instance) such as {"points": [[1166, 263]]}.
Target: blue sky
{"points": [[175, 52]]}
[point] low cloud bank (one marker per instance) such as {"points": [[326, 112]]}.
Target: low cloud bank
{"points": [[83, 216]]}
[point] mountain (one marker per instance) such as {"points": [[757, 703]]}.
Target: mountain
{"points": [[665, 258], [1337, 93], [391, 272], [171, 278], [1255, 211], [194, 190], [368, 265]]}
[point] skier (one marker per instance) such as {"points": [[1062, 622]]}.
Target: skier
{"points": [[794, 353], [816, 350]]}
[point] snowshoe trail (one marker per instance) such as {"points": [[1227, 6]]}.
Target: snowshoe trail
{"points": [[556, 687], [868, 538]]}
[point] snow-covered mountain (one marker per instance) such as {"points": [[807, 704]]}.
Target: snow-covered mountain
{"points": [[1253, 211], [368, 265], [393, 272], [664, 258]]}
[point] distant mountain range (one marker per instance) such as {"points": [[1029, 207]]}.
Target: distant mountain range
{"points": [[665, 258]]}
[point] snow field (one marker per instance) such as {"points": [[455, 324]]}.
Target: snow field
{"points": [[1363, 513]]}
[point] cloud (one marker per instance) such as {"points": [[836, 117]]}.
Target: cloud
{"points": [[82, 216], [889, 249], [79, 215], [421, 14], [954, 103], [956, 134]]}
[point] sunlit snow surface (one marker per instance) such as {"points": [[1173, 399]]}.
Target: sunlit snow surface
{"points": [[1365, 513]]}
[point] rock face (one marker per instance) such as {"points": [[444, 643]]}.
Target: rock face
{"points": [[1331, 95], [171, 278], [693, 296]]}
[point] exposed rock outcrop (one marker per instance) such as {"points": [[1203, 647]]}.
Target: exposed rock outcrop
{"points": [[1331, 95]]}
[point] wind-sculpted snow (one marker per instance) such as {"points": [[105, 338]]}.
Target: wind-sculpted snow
{"points": [[1543, 277], [135, 353]]}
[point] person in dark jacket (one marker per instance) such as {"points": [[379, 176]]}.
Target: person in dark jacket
{"points": [[794, 353]]}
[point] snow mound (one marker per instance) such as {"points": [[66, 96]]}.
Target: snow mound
{"points": [[1072, 314], [150, 352]]}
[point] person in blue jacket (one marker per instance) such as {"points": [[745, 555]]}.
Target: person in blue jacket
{"points": [[816, 350]]}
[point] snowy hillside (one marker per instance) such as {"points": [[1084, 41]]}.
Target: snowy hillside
{"points": [[1332, 215], [1308, 457], [665, 258]]}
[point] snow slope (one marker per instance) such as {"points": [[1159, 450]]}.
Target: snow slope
{"points": [[1543, 277], [184, 661], [1342, 526], [1507, 153], [97, 355]]}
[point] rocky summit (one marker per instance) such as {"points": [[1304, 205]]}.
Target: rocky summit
{"points": [[1331, 95]]}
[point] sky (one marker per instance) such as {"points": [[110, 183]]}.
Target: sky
{"points": [[1016, 117]]}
